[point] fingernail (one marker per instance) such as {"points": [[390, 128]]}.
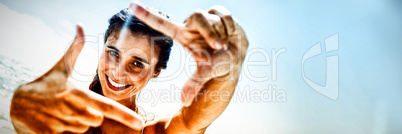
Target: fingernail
{"points": [[225, 46], [80, 24], [218, 45], [138, 124], [133, 7], [187, 103]]}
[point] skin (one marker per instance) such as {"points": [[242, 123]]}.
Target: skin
{"points": [[216, 42], [130, 61], [51, 104]]}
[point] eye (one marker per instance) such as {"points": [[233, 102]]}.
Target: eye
{"points": [[138, 64], [114, 53]]}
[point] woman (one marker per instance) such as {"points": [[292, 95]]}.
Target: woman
{"points": [[133, 56]]}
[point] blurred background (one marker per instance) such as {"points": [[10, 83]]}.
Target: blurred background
{"points": [[312, 67]]}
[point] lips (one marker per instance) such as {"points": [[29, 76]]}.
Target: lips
{"points": [[116, 86]]}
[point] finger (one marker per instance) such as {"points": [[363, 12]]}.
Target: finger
{"points": [[92, 117], [45, 123], [66, 64], [219, 10], [109, 108], [226, 17], [188, 37], [179, 33], [217, 25], [156, 22], [214, 20], [197, 45], [205, 26], [74, 127], [87, 116], [220, 29], [36, 124]]}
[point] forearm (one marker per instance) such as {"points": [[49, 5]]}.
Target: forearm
{"points": [[209, 104], [211, 101]]}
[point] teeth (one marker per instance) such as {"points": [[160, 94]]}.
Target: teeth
{"points": [[116, 84]]}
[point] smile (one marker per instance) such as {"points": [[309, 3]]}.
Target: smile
{"points": [[116, 86]]}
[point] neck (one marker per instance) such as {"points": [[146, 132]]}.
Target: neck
{"points": [[129, 102]]}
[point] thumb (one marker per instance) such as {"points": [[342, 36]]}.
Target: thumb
{"points": [[66, 64]]}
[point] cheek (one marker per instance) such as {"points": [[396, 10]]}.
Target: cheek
{"points": [[141, 83], [105, 63], [102, 62], [141, 77]]}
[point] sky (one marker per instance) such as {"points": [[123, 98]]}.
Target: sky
{"points": [[312, 66]]}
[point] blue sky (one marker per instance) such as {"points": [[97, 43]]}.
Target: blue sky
{"points": [[369, 35]]}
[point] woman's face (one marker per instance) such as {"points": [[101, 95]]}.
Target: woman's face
{"points": [[126, 65]]}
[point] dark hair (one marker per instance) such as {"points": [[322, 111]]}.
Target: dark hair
{"points": [[125, 18]]}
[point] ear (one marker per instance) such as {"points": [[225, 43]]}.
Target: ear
{"points": [[157, 72]]}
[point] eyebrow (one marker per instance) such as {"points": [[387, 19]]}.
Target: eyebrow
{"points": [[114, 48], [135, 57]]}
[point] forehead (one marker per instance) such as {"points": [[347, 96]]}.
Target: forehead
{"points": [[130, 44]]}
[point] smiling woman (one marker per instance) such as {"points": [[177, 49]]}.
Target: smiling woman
{"points": [[136, 52], [124, 67], [137, 49]]}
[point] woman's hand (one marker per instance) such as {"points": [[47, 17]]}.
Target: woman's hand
{"points": [[218, 45], [215, 40], [51, 104], [219, 52]]}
